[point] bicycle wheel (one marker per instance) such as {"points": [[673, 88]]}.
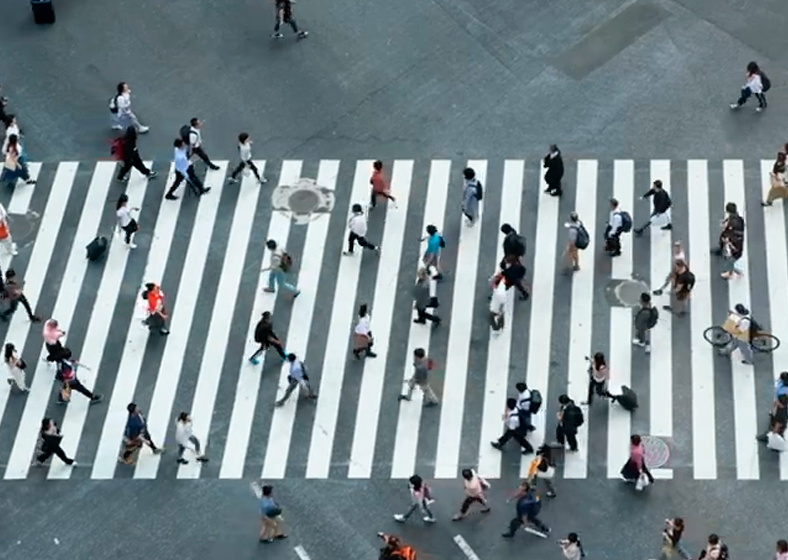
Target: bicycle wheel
{"points": [[717, 337], [764, 342]]}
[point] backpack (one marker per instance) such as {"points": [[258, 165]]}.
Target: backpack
{"points": [[479, 190], [116, 149], [186, 131], [690, 280], [766, 83], [286, 263], [653, 318], [575, 416], [724, 554], [65, 371], [113, 104], [582, 238], [626, 221], [442, 242], [536, 401]]}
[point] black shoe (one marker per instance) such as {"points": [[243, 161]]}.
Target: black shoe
{"points": [[205, 190], [507, 535], [420, 321], [170, 196], [371, 355], [667, 227], [638, 232], [555, 193], [403, 398], [96, 399], [202, 459], [615, 254], [213, 167], [496, 445], [182, 461], [152, 175]]}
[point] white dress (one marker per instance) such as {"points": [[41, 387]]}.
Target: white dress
{"points": [[16, 374]]}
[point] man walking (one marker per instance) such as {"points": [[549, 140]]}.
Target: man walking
{"points": [[194, 140], [660, 216], [184, 170], [284, 14], [528, 508], [245, 153], [421, 367], [425, 295], [280, 264], [13, 290], [554, 164], [184, 435], [570, 418], [618, 223], [513, 429], [264, 335], [135, 435], [683, 281], [645, 319], [577, 239], [297, 377], [357, 224]]}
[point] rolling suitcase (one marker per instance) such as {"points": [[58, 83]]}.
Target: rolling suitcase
{"points": [[627, 399], [43, 11], [97, 248]]}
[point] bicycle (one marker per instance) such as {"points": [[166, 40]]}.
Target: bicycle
{"points": [[760, 340]]}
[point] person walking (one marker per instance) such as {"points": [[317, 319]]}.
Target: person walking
{"points": [[474, 487], [245, 155], [52, 335], [157, 312], [570, 418], [513, 244], [571, 547], [420, 378], [528, 506], [184, 170], [732, 242], [619, 222], [432, 254], [498, 301], [513, 428], [671, 540], [380, 186], [5, 234], [676, 256], [425, 296], [14, 291], [131, 157], [12, 129], [756, 84], [126, 223], [420, 499], [646, 319], [554, 164], [264, 335], [120, 107], [357, 226], [184, 435], [781, 550], [296, 377], [577, 239], [67, 375], [271, 522], [542, 467], [135, 435], [779, 188], [14, 167], [362, 335], [683, 282], [598, 376], [284, 15], [635, 468], [194, 140], [472, 194], [280, 264], [16, 368], [50, 438], [660, 216]]}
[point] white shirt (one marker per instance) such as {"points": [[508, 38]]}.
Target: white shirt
{"points": [[183, 431], [571, 551], [363, 326], [195, 138], [600, 376], [124, 216], [524, 400], [754, 83], [13, 129], [743, 323], [499, 297], [296, 371], [512, 419], [3, 214], [615, 221], [358, 224], [123, 103], [245, 151]]}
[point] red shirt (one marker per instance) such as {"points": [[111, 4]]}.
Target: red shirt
{"points": [[154, 300], [378, 182]]}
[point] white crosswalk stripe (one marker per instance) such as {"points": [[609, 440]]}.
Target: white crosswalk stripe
{"points": [[209, 255]]}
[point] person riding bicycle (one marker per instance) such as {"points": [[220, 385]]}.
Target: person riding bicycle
{"points": [[740, 325]]}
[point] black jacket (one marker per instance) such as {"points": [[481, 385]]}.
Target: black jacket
{"points": [[514, 244], [555, 168], [263, 333], [661, 200], [129, 143]]}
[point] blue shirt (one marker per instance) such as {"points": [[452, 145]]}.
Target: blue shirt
{"points": [[780, 389], [135, 425], [181, 161], [267, 504], [434, 243], [296, 370]]}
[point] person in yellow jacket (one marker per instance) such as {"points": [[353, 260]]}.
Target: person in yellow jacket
{"points": [[541, 468]]}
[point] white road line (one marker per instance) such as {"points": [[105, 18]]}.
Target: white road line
{"points": [[582, 313], [541, 324], [301, 552], [181, 317], [214, 355], [20, 200], [499, 346], [311, 264], [744, 408], [465, 547], [362, 453], [619, 425], [99, 324], [704, 433], [340, 330], [71, 286], [406, 442], [777, 270], [136, 341]]}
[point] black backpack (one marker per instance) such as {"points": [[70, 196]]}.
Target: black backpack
{"points": [[479, 190], [626, 221], [113, 104], [186, 131], [536, 401], [582, 239], [441, 242], [766, 83], [573, 416], [653, 317]]}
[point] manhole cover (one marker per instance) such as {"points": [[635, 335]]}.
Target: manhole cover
{"points": [[304, 201], [628, 292], [656, 450]]}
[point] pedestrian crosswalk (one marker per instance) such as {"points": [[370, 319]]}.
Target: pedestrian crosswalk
{"points": [[207, 253]]}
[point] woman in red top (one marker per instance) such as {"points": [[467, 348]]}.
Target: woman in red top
{"points": [[636, 465], [157, 316], [379, 185]]}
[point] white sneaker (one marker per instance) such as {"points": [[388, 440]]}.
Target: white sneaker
{"points": [[429, 519], [758, 109], [735, 106], [636, 342], [131, 246], [117, 127], [14, 250], [144, 129], [399, 518]]}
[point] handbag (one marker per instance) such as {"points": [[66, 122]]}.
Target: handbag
{"points": [[642, 482], [21, 364], [4, 233], [776, 442], [65, 392]]}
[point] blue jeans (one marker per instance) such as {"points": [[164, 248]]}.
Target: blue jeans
{"points": [[277, 277], [416, 505]]}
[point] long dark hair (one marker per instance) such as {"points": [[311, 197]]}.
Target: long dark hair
{"points": [[122, 200], [130, 138], [599, 360], [9, 351], [13, 142]]}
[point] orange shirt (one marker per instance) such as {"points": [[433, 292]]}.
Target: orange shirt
{"points": [[154, 300], [378, 182]]}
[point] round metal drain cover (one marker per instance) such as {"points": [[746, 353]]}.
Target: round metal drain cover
{"points": [[304, 201], [656, 450], [627, 292]]}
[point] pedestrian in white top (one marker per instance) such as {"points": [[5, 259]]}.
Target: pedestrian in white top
{"points": [[615, 227], [357, 224], [474, 487], [245, 153], [362, 335], [126, 223], [16, 368], [195, 143], [571, 547], [120, 107], [5, 233], [498, 304], [757, 84], [598, 376], [297, 377], [184, 435], [11, 129], [420, 497]]}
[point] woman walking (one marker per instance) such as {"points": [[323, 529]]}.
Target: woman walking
{"points": [[184, 435], [635, 468], [5, 233], [756, 84], [50, 444], [125, 222], [471, 195], [420, 497], [52, 335], [474, 487], [598, 376], [543, 468], [120, 106], [777, 178], [131, 157], [16, 368], [14, 167], [380, 187], [671, 539], [362, 335]]}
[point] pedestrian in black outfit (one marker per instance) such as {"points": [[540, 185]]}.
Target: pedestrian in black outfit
{"points": [[67, 375], [570, 418], [284, 14], [264, 335], [131, 157], [195, 143], [661, 212], [51, 438], [513, 429], [13, 290], [425, 296], [554, 164]]}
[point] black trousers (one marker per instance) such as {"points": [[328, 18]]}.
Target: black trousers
{"points": [[192, 181], [50, 449], [264, 347], [745, 95], [553, 185], [14, 303], [515, 524], [240, 167], [351, 241], [613, 244], [466, 503], [518, 436], [570, 436], [200, 153], [136, 162], [373, 198], [424, 316], [290, 21], [77, 386], [595, 388], [130, 230]]}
